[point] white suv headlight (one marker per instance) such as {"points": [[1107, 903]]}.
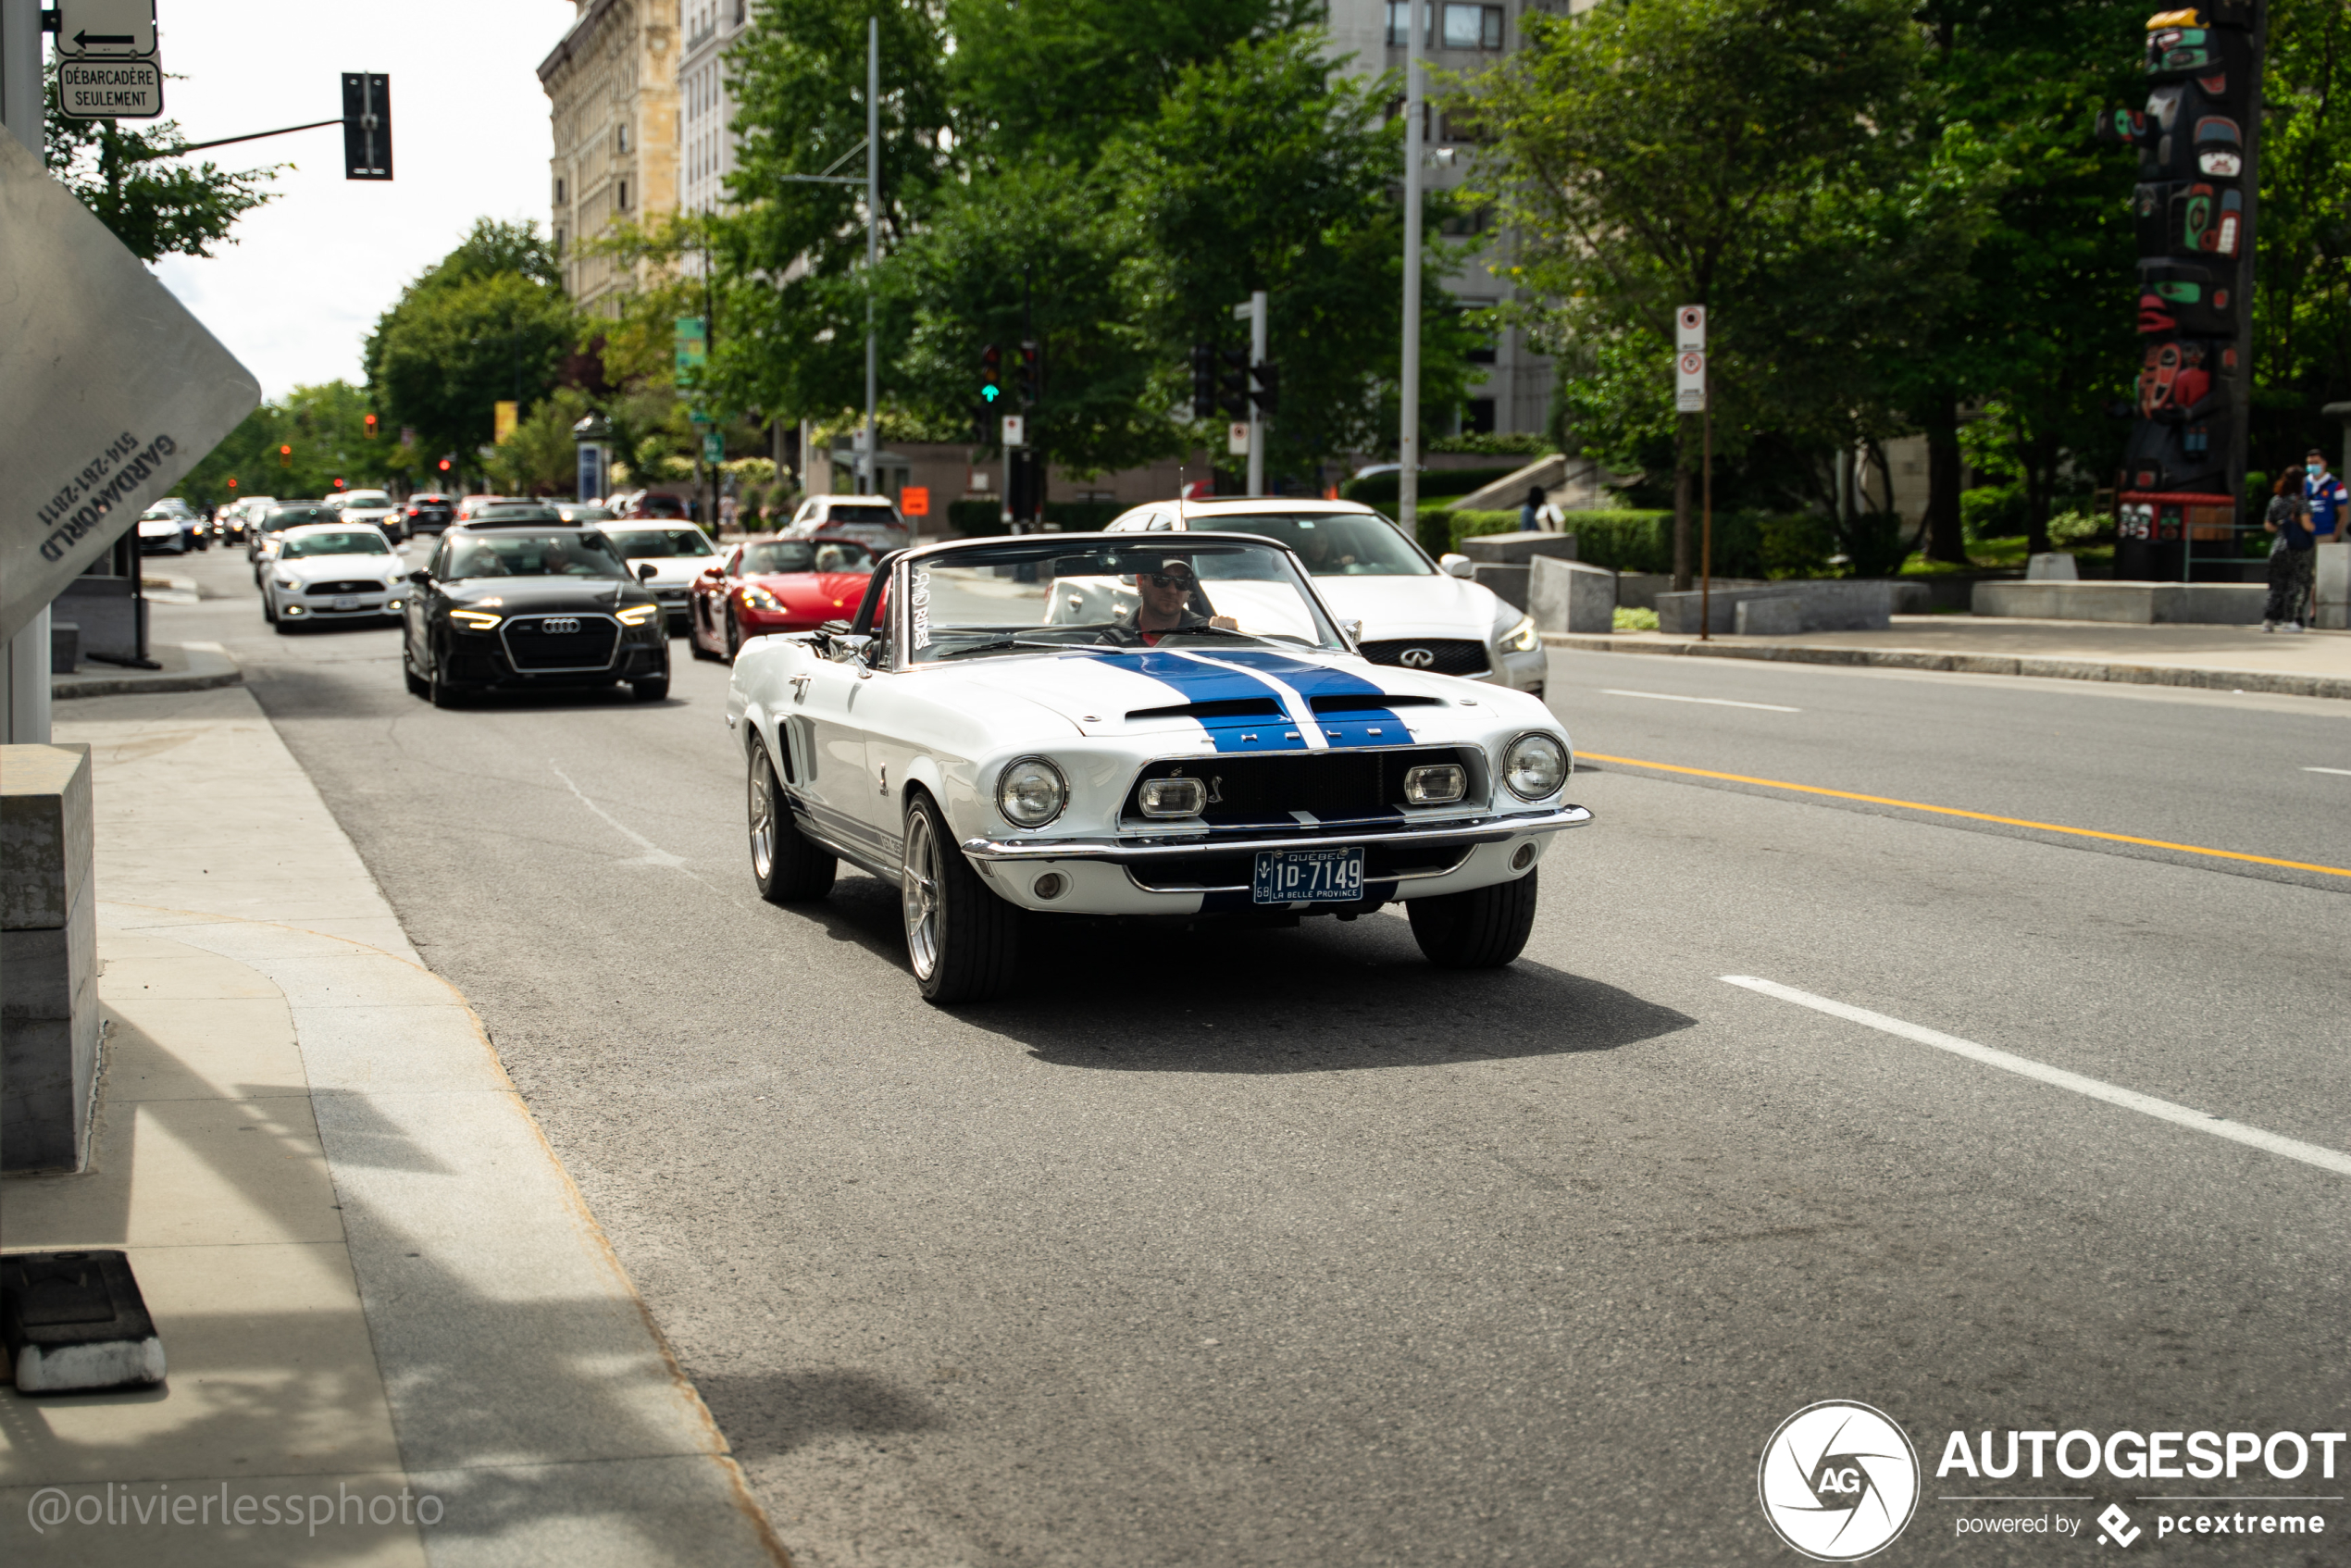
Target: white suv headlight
{"points": [[1534, 766], [1522, 638], [1031, 792]]}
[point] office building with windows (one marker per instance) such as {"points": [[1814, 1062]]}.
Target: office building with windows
{"points": [[706, 109], [612, 92], [1462, 36]]}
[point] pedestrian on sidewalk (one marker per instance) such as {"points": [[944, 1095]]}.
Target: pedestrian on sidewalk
{"points": [[1538, 515], [2293, 550]]}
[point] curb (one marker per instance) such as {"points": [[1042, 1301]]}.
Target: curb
{"points": [[2338, 687], [207, 667]]}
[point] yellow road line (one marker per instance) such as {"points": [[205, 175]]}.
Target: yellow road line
{"points": [[1973, 816]]}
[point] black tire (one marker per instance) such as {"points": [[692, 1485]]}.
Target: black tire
{"points": [[1483, 928], [734, 635], [787, 868], [417, 686], [285, 627], [962, 940], [442, 693], [651, 690], [268, 607]]}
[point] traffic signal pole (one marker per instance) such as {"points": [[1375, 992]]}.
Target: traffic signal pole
{"points": [[1257, 343], [872, 485], [1408, 438]]}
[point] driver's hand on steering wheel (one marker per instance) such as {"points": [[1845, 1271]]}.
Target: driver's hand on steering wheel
{"points": [[1226, 623]]}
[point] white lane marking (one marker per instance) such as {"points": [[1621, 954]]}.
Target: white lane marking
{"points": [[2344, 772], [654, 854], [1713, 702], [2145, 1105]]}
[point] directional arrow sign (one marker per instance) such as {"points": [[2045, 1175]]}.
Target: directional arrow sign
{"points": [[107, 29]]}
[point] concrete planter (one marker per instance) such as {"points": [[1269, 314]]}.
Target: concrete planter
{"points": [[1849, 604], [2125, 603]]}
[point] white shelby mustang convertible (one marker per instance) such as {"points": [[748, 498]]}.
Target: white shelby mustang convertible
{"points": [[983, 737]]}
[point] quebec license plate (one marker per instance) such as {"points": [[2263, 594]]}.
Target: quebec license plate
{"points": [[1309, 876], [346, 601]]}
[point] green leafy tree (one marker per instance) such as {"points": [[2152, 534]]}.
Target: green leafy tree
{"points": [[2302, 301], [155, 208], [486, 324], [1265, 169], [325, 426], [1733, 154]]}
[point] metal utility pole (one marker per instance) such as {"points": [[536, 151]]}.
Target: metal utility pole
{"points": [[1408, 441], [870, 482], [1255, 311], [24, 659]]}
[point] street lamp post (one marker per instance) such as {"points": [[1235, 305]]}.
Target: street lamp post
{"points": [[1408, 440]]}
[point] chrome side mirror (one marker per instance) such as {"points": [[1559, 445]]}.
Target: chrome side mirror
{"points": [[1456, 565]]}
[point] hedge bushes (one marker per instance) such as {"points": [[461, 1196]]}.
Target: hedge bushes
{"points": [[1379, 490]]}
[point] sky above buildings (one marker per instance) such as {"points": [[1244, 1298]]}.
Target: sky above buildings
{"points": [[296, 295]]}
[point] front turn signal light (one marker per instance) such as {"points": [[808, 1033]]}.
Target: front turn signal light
{"points": [[637, 614], [474, 620]]}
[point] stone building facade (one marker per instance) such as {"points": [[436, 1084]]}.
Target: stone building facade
{"points": [[612, 87], [706, 109]]}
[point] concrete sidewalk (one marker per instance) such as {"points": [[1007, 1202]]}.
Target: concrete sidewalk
{"points": [[2315, 663], [387, 1311], [181, 667]]}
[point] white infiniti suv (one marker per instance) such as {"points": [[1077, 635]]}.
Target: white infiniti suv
{"points": [[1413, 615]]}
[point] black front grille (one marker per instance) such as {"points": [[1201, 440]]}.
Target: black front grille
{"points": [[327, 588], [531, 646], [1329, 786], [1445, 655], [1381, 863]]}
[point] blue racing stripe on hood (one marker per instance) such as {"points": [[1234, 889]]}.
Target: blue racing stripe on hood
{"points": [[1352, 728], [1192, 681]]}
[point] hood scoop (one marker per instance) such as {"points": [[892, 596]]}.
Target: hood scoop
{"points": [[1371, 702], [1235, 707]]}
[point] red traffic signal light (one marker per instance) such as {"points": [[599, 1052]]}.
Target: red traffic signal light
{"points": [[285, 457], [444, 465], [338, 484], [232, 481], [371, 427]]}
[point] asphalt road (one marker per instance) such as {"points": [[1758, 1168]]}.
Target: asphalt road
{"points": [[1284, 1249]]}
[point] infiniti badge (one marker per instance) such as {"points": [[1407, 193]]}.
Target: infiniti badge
{"points": [[1419, 658]]}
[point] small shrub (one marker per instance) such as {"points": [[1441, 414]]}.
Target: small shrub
{"points": [[1795, 546], [1631, 619], [1993, 511], [1876, 544]]}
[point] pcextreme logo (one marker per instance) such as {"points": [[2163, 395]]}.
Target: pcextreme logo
{"points": [[1839, 1481]]}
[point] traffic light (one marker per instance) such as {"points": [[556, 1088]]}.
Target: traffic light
{"points": [[1030, 375], [1266, 388], [1203, 382], [371, 427], [285, 457], [444, 465], [232, 481], [1232, 382], [366, 126], [992, 375]]}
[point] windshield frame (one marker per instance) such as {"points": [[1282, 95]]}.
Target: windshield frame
{"points": [[286, 551], [901, 564], [454, 542]]}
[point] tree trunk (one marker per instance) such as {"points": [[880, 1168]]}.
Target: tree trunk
{"points": [[1945, 538], [1684, 572]]}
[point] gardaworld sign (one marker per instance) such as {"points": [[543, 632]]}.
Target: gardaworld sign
{"points": [[109, 389]]}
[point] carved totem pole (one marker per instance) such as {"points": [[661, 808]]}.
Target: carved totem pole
{"points": [[2199, 142]]}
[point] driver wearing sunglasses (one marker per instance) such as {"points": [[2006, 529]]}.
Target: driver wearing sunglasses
{"points": [[1166, 602]]}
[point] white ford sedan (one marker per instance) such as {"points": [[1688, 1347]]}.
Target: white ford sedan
{"points": [[1413, 614], [331, 572], [991, 737]]}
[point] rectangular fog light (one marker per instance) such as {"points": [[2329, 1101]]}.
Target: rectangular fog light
{"points": [[1437, 786], [1172, 797]]}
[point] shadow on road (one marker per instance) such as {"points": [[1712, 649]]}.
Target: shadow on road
{"points": [[770, 1414]]}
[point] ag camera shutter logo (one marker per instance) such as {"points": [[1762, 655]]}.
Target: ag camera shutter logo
{"points": [[1839, 1481]]}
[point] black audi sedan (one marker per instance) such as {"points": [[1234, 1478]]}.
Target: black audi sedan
{"points": [[524, 603]]}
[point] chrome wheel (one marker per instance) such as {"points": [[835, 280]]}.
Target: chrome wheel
{"points": [[763, 818], [918, 884]]}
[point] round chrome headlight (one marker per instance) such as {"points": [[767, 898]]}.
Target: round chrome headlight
{"points": [[1031, 792], [1534, 766]]}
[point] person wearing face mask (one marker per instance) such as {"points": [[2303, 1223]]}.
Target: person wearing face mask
{"points": [[2330, 510], [2291, 555]]}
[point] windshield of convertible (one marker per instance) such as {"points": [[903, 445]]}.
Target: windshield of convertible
{"points": [[1196, 593], [533, 555], [343, 541], [1332, 543], [780, 555]]}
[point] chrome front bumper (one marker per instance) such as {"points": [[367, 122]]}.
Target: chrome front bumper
{"points": [[1144, 848]]}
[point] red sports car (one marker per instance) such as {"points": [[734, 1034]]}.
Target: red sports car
{"points": [[769, 584]]}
